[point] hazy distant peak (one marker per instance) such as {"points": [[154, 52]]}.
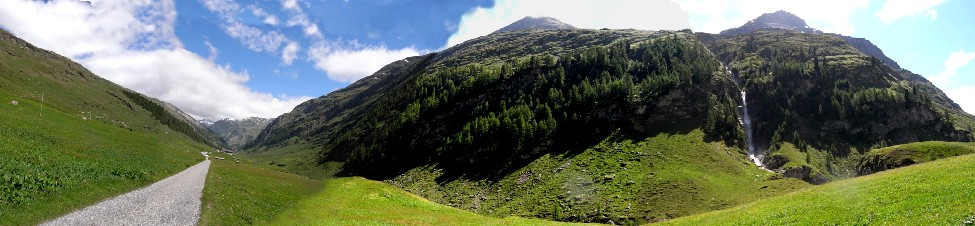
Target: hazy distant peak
{"points": [[539, 23]]}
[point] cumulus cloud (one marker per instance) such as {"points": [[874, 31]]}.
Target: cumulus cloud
{"points": [[617, 14], [196, 85], [290, 52], [347, 64], [955, 61], [827, 15], [893, 10], [132, 43]]}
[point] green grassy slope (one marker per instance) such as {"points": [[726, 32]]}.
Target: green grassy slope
{"points": [[30, 73], [357, 201], [934, 193], [242, 194], [620, 179], [907, 154], [74, 138], [54, 164]]}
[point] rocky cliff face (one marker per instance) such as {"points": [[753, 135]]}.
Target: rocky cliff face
{"points": [[785, 21]]}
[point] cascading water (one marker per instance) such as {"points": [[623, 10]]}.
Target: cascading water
{"points": [[746, 122]]}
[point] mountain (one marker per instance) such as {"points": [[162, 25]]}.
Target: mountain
{"points": [[205, 122], [622, 125], [237, 132], [779, 20], [69, 138], [782, 20], [539, 23]]}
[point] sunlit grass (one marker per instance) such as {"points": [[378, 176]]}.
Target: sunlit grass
{"points": [[935, 193]]}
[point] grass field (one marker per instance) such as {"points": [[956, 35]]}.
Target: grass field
{"points": [[54, 162], [243, 194], [620, 179], [357, 201], [907, 154], [940, 192]]}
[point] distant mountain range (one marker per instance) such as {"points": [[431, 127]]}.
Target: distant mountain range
{"points": [[237, 132]]}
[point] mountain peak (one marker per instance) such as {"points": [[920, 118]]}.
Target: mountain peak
{"points": [[772, 21], [536, 23]]}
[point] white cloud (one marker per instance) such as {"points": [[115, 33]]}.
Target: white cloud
{"points": [[251, 37], [893, 10], [132, 43], [619, 14], [196, 85], [347, 64], [290, 4], [63, 25], [290, 52], [955, 61], [269, 19], [255, 39], [827, 15], [297, 17], [213, 50], [963, 97]]}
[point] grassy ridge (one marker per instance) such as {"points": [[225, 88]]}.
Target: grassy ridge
{"points": [[908, 154], [55, 163], [934, 193]]}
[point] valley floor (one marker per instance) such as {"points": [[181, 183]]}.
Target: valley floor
{"points": [[937, 192], [241, 194]]}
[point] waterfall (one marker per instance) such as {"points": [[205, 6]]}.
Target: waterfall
{"points": [[746, 121]]}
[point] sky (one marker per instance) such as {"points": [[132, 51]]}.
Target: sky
{"points": [[218, 59]]}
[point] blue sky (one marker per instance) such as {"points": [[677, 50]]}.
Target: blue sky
{"points": [[238, 58]]}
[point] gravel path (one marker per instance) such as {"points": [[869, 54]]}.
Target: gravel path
{"points": [[171, 201]]}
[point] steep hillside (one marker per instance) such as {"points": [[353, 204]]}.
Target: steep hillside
{"points": [[69, 138], [237, 132], [468, 132], [622, 125]]}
